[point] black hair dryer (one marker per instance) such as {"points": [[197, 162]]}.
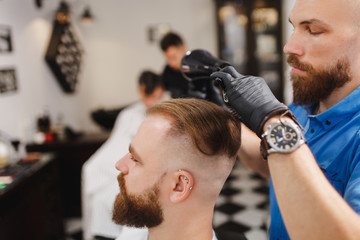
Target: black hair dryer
{"points": [[197, 66], [200, 64]]}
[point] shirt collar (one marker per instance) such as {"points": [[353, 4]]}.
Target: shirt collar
{"points": [[348, 105]]}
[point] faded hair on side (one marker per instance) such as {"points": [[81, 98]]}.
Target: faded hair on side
{"points": [[212, 129]]}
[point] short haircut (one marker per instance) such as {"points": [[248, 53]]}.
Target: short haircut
{"points": [[169, 40], [151, 81], [212, 129]]}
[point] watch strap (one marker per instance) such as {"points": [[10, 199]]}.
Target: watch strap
{"points": [[264, 147], [279, 111]]}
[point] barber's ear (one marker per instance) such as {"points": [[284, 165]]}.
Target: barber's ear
{"points": [[183, 183]]}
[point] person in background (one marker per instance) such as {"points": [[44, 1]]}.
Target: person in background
{"points": [[98, 187], [313, 158], [174, 48], [175, 169]]}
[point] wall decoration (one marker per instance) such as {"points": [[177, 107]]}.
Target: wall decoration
{"points": [[5, 39], [64, 56], [8, 81], [156, 32]]}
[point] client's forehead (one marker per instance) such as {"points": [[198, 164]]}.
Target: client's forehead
{"points": [[154, 123], [150, 140]]}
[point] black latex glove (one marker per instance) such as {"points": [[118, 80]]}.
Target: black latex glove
{"points": [[215, 96], [250, 97], [205, 88]]}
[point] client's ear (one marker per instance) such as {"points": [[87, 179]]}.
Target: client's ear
{"points": [[183, 183]]}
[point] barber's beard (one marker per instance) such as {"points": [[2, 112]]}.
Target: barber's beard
{"points": [[319, 83], [138, 211]]}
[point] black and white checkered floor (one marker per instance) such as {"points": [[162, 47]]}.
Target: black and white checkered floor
{"points": [[243, 206]]}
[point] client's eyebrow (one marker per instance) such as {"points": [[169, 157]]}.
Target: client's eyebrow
{"points": [[134, 154]]}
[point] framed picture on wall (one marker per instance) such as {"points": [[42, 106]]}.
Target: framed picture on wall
{"points": [[8, 81], [5, 39]]}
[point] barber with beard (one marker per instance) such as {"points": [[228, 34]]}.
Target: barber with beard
{"points": [[311, 148]]}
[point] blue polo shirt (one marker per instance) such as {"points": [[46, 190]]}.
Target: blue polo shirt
{"points": [[334, 139]]}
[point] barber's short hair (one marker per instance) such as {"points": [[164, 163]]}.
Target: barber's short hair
{"points": [[169, 40], [212, 129], [151, 81]]}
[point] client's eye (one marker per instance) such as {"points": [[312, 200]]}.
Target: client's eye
{"points": [[133, 159], [314, 31]]}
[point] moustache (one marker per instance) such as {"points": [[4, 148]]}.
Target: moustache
{"points": [[121, 181], [295, 62]]}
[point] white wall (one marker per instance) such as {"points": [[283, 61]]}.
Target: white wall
{"points": [[117, 47], [116, 50], [30, 30]]}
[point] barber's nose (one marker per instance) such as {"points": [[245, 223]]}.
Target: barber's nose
{"points": [[294, 46], [122, 164]]}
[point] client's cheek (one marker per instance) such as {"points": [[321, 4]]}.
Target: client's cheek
{"points": [[133, 186]]}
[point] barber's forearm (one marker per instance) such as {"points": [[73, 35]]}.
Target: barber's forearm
{"points": [[310, 206], [249, 152]]}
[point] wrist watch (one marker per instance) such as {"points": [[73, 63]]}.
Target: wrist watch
{"points": [[281, 137]]}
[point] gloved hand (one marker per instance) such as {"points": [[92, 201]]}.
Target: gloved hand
{"points": [[205, 88], [215, 96], [250, 97]]}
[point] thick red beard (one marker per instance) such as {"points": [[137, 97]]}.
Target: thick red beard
{"points": [[137, 210], [318, 84]]}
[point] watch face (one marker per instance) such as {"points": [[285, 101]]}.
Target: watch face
{"points": [[283, 137]]}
